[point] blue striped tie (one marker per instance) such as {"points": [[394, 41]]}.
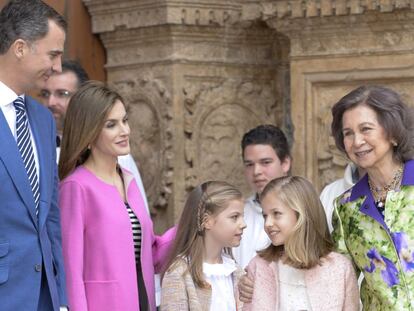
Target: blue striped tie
{"points": [[24, 143]]}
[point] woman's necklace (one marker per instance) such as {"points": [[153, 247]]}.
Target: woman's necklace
{"points": [[380, 193]]}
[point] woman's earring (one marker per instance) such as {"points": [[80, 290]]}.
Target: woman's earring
{"points": [[394, 143]]}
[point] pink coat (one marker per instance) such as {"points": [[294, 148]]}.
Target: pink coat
{"points": [[98, 246], [331, 286]]}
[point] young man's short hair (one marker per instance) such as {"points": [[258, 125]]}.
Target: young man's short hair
{"points": [[267, 135]]}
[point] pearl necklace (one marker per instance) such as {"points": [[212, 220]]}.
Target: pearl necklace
{"points": [[380, 193]]}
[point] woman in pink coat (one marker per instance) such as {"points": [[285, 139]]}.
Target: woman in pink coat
{"points": [[109, 247]]}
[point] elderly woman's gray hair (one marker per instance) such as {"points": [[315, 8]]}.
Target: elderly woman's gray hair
{"points": [[393, 114]]}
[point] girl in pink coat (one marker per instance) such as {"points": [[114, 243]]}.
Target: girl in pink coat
{"points": [[109, 248], [299, 270]]}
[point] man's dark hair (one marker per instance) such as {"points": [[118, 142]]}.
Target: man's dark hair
{"points": [[27, 20], [77, 69], [267, 135]]}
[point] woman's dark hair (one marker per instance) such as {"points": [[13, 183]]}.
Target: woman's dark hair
{"points": [[85, 117], [393, 114]]}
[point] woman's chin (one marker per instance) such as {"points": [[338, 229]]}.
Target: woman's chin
{"points": [[123, 152]]}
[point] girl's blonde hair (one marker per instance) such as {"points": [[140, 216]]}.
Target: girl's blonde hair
{"points": [[84, 120], [209, 198], [310, 240]]}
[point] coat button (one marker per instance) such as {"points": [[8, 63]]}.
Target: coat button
{"points": [[38, 268]]}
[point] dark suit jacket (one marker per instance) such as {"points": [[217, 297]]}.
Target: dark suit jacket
{"points": [[29, 243]]}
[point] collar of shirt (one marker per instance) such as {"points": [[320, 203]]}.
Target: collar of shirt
{"points": [[256, 199], [254, 204], [7, 95]]}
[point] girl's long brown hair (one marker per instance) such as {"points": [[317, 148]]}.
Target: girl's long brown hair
{"points": [[310, 241], [209, 198], [84, 121]]}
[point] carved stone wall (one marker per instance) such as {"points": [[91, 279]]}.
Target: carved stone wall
{"points": [[199, 73], [217, 114], [196, 79], [150, 118], [335, 47]]}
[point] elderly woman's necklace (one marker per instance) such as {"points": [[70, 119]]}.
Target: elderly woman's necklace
{"points": [[380, 193]]}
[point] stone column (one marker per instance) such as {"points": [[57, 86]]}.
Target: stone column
{"points": [[335, 47], [196, 79]]}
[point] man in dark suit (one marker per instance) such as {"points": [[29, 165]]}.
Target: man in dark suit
{"points": [[32, 37]]}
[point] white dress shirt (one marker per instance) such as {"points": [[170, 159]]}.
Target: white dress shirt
{"points": [[128, 162], [293, 295], [334, 190], [7, 97], [219, 276]]}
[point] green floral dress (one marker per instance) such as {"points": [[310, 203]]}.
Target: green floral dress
{"points": [[381, 247]]}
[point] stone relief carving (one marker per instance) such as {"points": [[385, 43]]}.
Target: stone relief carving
{"points": [[222, 14], [150, 120], [218, 110], [331, 162], [318, 45], [152, 44], [136, 14], [124, 56], [217, 115], [361, 25], [312, 8], [349, 28]]}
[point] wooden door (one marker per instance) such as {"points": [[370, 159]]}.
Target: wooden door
{"points": [[81, 44]]}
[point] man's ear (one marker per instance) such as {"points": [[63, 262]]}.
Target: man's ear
{"points": [[19, 48], [286, 164]]}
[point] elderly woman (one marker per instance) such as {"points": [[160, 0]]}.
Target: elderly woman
{"points": [[374, 220]]}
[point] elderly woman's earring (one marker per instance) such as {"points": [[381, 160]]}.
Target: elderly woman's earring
{"points": [[394, 143]]}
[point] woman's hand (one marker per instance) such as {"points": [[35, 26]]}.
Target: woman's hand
{"points": [[246, 289]]}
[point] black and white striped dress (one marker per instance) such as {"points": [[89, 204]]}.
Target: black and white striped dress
{"points": [[137, 234]]}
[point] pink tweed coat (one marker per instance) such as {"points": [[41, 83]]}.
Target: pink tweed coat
{"points": [[331, 286]]}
